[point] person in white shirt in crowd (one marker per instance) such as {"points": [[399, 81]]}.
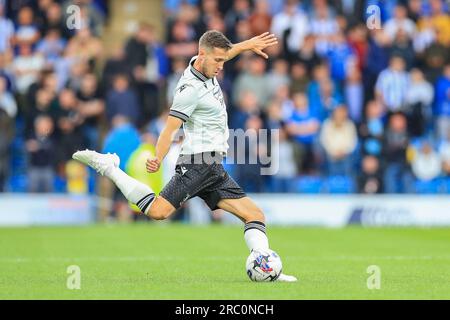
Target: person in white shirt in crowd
{"points": [[399, 21], [420, 90], [426, 164], [424, 36], [26, 68], [324, 26], [6, 30], [392, 84], [418, 100], [26, 31], [7, 101], [291, 19]]}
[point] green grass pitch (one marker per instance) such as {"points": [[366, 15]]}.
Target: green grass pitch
{"points": [[174, 261]]}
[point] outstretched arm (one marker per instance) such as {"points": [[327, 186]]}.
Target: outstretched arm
{"points": [[255, 44], [184, 103], [164, 143]]}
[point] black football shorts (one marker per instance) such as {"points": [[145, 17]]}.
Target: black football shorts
{"points": [[206, 179]]}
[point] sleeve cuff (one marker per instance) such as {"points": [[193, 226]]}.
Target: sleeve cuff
{"points": [[179, 115]]}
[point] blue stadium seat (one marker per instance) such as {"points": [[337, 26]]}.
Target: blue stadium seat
{"points": [[446, 185], [18, 183], [428, 187], [59, 184], [308, 184], [339, 184]]}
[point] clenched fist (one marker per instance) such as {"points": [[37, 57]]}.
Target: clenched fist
{"points": [[152, 164]]}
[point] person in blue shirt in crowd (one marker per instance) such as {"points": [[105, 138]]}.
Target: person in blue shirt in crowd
{"points": [[303, 126], [123, 139], [442, 103], [121, 99]]}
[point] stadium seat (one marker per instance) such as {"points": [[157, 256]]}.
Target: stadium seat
{"points": [[428, 187], [59, 184], [446, 185], [339, 184], [18, 183], [308, 184]]}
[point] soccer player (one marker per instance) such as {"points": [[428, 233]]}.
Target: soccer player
{"points": [[199, 107]]}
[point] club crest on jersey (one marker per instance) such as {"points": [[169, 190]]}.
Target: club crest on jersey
{"points": [[182, 87]]}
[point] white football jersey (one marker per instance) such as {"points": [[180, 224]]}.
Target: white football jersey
{"points": [[199, 102]]}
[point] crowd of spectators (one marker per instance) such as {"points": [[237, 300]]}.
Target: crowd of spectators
{"points": [[358, 108], [50, 93]]}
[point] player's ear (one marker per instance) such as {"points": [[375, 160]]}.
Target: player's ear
{"points": [[201, 52], [204, 51]]}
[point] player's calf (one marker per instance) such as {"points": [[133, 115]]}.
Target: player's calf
{"points": [[255, 214], [243, 208]]}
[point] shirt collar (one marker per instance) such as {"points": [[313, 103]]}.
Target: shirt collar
{"points": [[197, 73]]}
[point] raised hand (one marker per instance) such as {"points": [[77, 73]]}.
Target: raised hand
{"points": [[259, 43]]}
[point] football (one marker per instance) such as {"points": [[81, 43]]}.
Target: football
{"points": [[263, 265]]}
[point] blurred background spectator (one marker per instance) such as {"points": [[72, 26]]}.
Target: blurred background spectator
{"points": [[426, 163], [338, 137], [303, 127], [6, 31], [41, 149], [121, 99], [6, 137], [397, 172], [392, 84], [370, 179]]}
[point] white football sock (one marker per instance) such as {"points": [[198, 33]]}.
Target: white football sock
{"points": [[135, 191], [255, 235]]}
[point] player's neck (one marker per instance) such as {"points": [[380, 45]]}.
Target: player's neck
{"points": [[196, 65]]}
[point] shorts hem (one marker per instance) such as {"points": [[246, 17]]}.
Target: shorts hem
{"points": [[237, 196]]}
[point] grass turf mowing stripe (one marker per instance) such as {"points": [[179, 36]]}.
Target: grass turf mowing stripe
{"points": [[171, 261]]}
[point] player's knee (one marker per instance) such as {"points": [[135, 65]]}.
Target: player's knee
{"points": [[159, 209], [257, 215], [158, 214]]}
